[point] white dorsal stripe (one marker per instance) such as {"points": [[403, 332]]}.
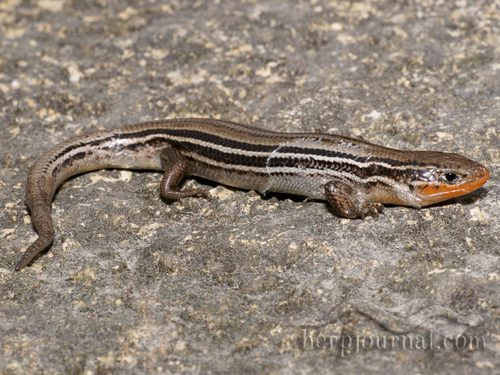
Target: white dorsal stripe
{"points": [[124, 142], [298, 171]]}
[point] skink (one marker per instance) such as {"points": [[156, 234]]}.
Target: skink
{"points": [[356, 178]]}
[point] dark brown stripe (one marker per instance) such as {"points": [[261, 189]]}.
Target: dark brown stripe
{"points": [[187, 133], [304, 160], [337, 154]]}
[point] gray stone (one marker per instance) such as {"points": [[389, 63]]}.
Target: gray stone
{"points": [[244, 283]]}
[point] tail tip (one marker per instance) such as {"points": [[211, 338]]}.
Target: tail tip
{"points": [[21, 264]]}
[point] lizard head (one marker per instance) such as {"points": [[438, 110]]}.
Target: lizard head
{"points": [[442, 176]]}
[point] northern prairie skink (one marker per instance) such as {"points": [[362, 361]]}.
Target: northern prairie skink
{"points": [[356, 178]]}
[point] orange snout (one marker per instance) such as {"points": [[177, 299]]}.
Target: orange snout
{"points": [[438, 192]]}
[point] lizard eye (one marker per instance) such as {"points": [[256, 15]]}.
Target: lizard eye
{"points": [[450, 177]]}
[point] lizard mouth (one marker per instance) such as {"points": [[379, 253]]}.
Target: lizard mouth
{"points": [[440, 191]]}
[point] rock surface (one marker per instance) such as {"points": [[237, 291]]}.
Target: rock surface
{"points": [[244, 283]]}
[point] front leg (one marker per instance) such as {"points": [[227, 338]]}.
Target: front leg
{"points": [[348, 200], [175, 166]]}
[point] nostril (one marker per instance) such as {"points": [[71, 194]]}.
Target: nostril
{"points": [[481, 173]]}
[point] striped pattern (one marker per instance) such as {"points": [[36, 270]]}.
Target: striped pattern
{"points": [[252, 158], [241, 149]]}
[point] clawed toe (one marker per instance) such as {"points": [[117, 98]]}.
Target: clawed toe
{"points": [[203, 194], [373, 210]]}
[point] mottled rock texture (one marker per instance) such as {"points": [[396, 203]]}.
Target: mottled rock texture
{"points": [[244, 283]]}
